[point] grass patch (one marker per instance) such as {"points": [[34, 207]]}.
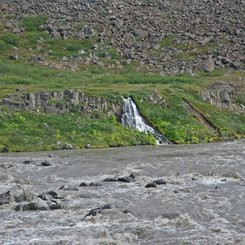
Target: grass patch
{"points": [[8, 41], [32, 23], [68, 47], [240, 99], [167, 41], [28, 131], [189, 51]]}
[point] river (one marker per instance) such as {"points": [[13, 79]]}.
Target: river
{"points": [[199, 197]]}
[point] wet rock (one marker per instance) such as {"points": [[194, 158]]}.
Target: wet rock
{"points": [[35, 204], [170, 215], [126, 179], [46, 201], [5, 198], [46, 163], [28, 162], [19, 194], [50, 195], [54, 204], [68, 188], [6, 166], [151, 185], [83, 184], [154, 183], [126, 211], [5, 177], [159, 182], [52, 199], [95, 211], [110, 179]]}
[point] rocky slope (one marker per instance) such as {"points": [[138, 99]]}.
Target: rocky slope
{"points": [[171, 36]]}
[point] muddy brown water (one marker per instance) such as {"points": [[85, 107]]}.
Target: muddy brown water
{"points": [[202, 202]]}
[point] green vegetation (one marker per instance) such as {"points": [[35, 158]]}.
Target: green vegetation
{"points": [[31, 131], [167, 41], [240, 99], [32, 23], [189, 51], [28, 131]]}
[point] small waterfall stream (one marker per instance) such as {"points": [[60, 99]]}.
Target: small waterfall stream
{"points": [[131, 118]]}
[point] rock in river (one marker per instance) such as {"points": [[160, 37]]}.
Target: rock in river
{"points": [[5, 198]]}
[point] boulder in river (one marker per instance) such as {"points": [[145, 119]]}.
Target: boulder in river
{"points": [[46, 163], [45, 201], [5, 198], [155, 183], [95, 211], [19, 194], [83, 184], [126, 179], [35, 204]]}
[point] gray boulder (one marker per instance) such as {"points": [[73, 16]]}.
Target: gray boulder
{"points": [[5, 198], [35, 204]]}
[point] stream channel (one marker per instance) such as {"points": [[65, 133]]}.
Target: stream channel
{"points": [[195, 194]]}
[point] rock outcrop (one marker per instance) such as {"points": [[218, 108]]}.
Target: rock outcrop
{"points": [[60, 102], [222, 95], [219, 94]]}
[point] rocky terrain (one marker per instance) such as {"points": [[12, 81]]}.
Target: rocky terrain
{"points": [[171, 36]]}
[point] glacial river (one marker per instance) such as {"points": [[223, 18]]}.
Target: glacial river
{"points": [[199, 198]]}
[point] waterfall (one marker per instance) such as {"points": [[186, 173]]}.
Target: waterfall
{"points": [[131, 118]]}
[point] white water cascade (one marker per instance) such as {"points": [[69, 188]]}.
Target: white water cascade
{"points": [[131, 118]]}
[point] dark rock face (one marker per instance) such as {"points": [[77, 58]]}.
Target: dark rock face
{"points": [[60, 102], [136, 28]]}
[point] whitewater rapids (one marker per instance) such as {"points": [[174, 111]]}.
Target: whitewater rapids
{"points": [[201, 202]]}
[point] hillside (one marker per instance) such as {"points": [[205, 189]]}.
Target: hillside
{"points": [[64, 66]]}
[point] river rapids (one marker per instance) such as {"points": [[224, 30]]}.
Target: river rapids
{"points": [[169, 194]]}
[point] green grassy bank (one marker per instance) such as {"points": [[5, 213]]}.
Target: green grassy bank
{"points": [[32, 131]]}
